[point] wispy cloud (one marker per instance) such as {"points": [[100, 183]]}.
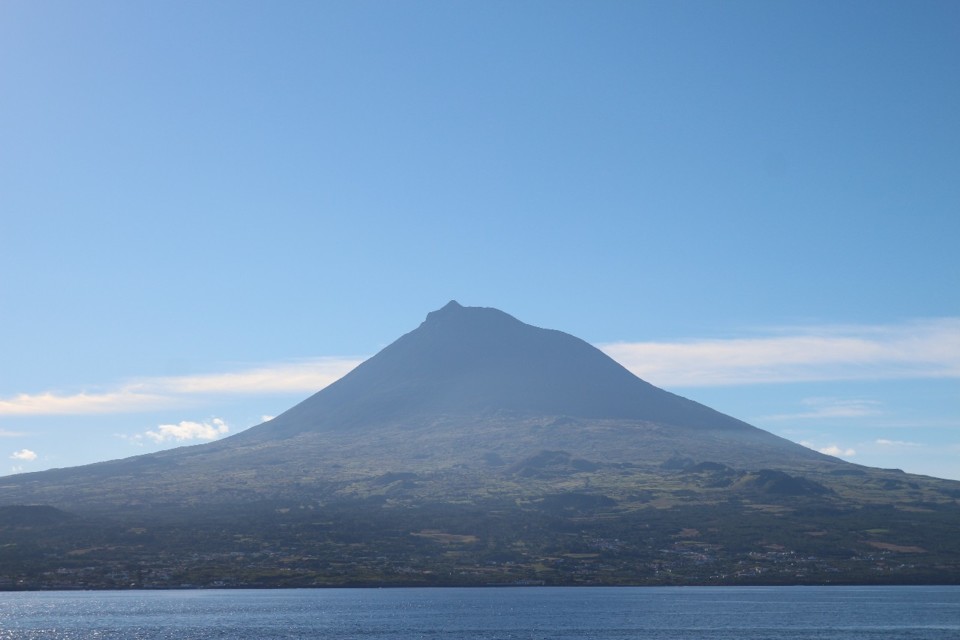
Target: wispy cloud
{"points": [[897, 444], [123, 400], [24, 455], [919, 349], [11, 434], [829, 408], [301, 376], [145, 394]]}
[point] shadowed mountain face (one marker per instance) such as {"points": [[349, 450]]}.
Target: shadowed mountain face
{"points": [[476, 361], [477, 449]]}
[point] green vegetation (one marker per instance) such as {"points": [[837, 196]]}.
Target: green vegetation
{"points": [[707, 524]]}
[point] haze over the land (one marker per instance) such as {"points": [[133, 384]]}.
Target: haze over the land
{"points": [[209, 211]]}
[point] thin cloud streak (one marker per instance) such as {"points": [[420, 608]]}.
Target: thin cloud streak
{"points": [[921, 349], [830, 408], [304, 376], [124, 400], [148, 394], [883, 442]]}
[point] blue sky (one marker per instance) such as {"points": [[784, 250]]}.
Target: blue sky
{"points": [[210, 210]]}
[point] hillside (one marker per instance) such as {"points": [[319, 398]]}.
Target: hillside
{"points": [[477, 449]]}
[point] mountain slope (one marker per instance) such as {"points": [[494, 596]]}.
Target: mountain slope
{"points": [[469, 384], [470, 361], [477, 449]]}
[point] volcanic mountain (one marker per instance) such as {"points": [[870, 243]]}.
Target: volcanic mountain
{"points": [[480, 449], [478, 361]]}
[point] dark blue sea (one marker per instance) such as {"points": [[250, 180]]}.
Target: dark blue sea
{"points": [[523, 613]]}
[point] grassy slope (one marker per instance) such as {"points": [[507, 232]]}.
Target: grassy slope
{"points": [[499, 500]]}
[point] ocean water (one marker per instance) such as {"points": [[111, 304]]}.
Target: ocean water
{"points": [[523, 613]]}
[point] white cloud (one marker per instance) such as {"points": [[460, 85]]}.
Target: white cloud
{"points": [[187, 430], [11, 434], [147, 394], [832, 450], [24, 454], [919, 349]]}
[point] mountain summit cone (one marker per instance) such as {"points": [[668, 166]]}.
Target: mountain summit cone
{"points": [[473, 361]]}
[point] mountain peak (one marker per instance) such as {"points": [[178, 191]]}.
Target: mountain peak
{"points": [[445, 311], [468, 318], [453, 305], [472, 361]]}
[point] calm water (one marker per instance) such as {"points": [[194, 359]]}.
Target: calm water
{"points": [[746, 613]]}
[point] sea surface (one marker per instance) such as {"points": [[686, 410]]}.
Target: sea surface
{"points": [[522, 613]]}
